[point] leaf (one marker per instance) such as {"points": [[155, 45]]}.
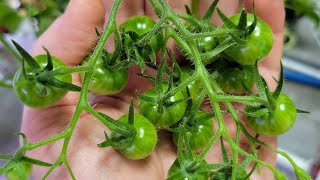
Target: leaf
{"points": [[188, 11]]}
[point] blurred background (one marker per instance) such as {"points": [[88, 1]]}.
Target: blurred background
{"points": [[26, 19]]}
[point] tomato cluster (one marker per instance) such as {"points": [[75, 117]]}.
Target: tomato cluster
{"points": [[174, 103]]}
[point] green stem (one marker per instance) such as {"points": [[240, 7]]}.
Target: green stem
{"points": [[9, 48], [243, 99], [215, 33], [32, 146]]}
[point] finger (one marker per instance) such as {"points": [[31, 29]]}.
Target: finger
{"points": [[72, 36]]}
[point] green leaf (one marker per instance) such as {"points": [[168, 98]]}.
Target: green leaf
{"points": [[9, 18]]}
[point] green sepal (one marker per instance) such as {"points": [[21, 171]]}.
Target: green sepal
{"points": [[278, 89], [148, 99], [49, 65], [242, 20], [302, 111], [188, 11], [29, 160], [227, 22], [131, 113], [207, 16], [6, 156], [251, 28], [63, 85], [224, 152], [28, 58]]}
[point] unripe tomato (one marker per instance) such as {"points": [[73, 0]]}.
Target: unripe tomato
{"points": [[277, 122], [105, 81], [201, 138], [257, 45], [38, 95], [144, 141], [169, 116]]}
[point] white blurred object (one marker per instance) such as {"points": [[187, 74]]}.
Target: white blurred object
{"points": [[15, 4]]}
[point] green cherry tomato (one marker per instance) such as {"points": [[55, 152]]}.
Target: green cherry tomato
{"points": [[277, 122], [105, 81], [184, 175], [201, 138], [142, 25], [13, 174], [145, 140], [257, 45], [236, 79], [194, 87], [169, 116], [29, 93]]}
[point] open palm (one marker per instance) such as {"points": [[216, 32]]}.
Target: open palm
{"points": [[71, 38]]}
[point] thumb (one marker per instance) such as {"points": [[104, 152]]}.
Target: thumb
{"points": [[72, 36]]}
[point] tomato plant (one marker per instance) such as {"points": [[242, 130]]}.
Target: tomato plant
{"points": [[36, 94], [144, 141], [257, 45], [277, 122], [106, 81], [169, 116], [142, 25], [204, 132]]}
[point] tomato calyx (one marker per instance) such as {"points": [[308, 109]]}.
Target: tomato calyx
{"points": [[19, 166], [37, 75], [122, 133]]}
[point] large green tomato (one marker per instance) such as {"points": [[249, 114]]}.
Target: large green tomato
{"points": [[277, 122], [169, 116], [145, 140], [201, 138], [257, 45], [142, 25], [39, 95], [105, 81]]}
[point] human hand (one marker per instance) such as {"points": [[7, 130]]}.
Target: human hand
{"points": [[71, 38]]}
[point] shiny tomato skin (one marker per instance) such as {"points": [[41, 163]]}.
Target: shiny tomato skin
{"points": [[200, 139], [236, 80], [28, 92], [169, 116], [142, 25], [257, 46], [145, 140], [277, 122], [105, 81]]}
